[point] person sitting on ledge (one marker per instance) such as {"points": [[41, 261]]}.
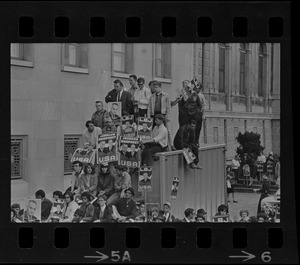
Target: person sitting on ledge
{"points": [[185, 138], [158, 143]]}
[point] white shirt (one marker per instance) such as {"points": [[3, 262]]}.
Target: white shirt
{"points": [[142, 96], [160, 135], [261, 159], [235, 164]]}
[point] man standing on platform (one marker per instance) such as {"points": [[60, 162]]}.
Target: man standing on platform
{"points": [[119, 94], [142, 96], [160, 103], [98, 117]]}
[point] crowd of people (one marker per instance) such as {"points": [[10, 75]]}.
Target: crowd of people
{"points": [[92, 209]]}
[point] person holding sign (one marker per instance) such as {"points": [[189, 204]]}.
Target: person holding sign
{"points": [[119, 94], [184, 138], [90, 134], [159, 142]]}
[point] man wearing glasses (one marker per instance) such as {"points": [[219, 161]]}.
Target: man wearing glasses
{"points": [[141, 96], [189, 214]]}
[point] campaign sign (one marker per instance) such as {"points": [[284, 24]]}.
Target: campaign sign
{"points": [[57, 210], [269, 166], [115, 110], [145, 128], [145, 179], [84, 155], [220, 219], [106, 149], [260, 167], [188, 155], [128, 128], [32, 211], [246, 170], [129, 152], [174, 188]]}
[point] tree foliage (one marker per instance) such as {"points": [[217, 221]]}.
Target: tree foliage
{"points": [[250, 145]]}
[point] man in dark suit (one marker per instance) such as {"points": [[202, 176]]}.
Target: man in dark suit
{"points": [[189, 215], [46, 204], [119, 94]]}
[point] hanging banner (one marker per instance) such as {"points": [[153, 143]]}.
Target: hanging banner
{"points": [[84, 155], [188, 155], [174, 188], [32, 213], [115, 110], [129, 152], [57, 210], [106, 149], [128, 128], [145, 128], [145, 179]]}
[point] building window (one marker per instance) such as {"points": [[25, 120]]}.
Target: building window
{"points": [[222, 67], [261, 68], [21, 54], [75, 57], [242, 68], [245, 125], [17, 157], [236, 133], [163, 60], [215, 134], [122, 57], [71, 143]]}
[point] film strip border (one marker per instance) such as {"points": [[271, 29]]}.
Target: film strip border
{"points": [[147, 22], [188, 21], [94, 244]]}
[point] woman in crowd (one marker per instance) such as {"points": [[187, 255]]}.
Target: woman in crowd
{"points": [[87, 208], [244, 214], [70, 207], [264, 191], [106, 180], [89, 180], [262, 218]]}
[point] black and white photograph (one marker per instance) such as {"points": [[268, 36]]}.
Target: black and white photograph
{"points": [[221, 101]]}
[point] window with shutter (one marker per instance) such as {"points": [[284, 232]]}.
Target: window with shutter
{"points": [[261, 70], [123, 57], [71, 143], [75, 57], [216, 134], [163, 60], [21, 54]]}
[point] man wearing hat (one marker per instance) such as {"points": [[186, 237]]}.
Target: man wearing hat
{"points": [[122, 180], [202, 212], [125, 208], [168, 217], [264, 191]]}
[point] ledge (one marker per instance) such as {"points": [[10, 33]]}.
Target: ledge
{"points": [[163, 80], [21, 63], [120, 75], [75, 70]]}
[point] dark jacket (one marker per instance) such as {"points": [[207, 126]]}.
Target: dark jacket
{"points": [[88, 210], [126, 208], [126, 99], [192, 105], [184, 137], [106, 215], [106, 182], [46, 209]]}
